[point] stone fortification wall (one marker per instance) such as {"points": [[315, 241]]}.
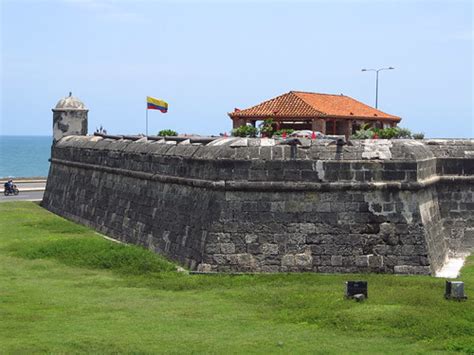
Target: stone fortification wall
{"points": [[456, 196], [257, 205]]}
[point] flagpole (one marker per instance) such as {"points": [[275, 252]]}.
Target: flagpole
{"points": [[147, 120]]}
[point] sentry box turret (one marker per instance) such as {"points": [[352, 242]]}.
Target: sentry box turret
{"points": [[455, 291]]}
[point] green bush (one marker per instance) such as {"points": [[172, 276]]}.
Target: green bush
{"points": [[280, 132], [387, 133], [167, 133], [418, 135], [363, 134], [245, 131], [267, 128], [403, 133]]}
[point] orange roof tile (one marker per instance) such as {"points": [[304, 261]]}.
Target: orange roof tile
{"points": [[295, 104]]}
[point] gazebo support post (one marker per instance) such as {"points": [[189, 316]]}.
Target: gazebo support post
{"points": [[319, 125], [347, 128]]}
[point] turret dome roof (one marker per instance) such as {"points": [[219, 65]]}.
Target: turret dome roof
{"points": [[70, 102]]}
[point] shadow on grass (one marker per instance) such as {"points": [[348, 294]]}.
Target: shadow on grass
{"points": [[56, 226], [93, 253]]}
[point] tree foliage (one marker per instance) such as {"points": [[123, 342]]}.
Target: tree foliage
{"points": [[418, 135], [366, 132], [267, 128], [245, 131], [280, 132], [167, 133]]}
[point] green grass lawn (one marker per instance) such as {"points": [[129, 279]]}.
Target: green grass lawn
{"points": [[64, 289]]}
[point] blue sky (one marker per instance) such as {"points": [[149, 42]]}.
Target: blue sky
{"points": [[205, 58]]}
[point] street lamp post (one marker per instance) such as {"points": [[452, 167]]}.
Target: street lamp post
{"points": [[377, 82]]}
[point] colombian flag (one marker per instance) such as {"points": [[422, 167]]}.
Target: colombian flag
{"points": [[155, 104]]}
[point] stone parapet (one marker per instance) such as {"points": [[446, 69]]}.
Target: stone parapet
{"points": [[260, 205]]}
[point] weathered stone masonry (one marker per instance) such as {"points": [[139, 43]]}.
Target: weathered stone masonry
{"points": [[248, 205]]}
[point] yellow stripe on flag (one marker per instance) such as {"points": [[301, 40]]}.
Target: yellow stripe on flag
{"points": [[152, 100]]}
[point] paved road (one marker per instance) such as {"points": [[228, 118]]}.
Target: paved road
{"points": [[29, 191], [30, 185], [23, 196]]}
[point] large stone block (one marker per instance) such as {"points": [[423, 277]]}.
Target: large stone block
{"points": [[268, 248]]}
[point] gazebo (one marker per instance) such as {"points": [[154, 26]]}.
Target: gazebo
{"points": [[326, 113]]}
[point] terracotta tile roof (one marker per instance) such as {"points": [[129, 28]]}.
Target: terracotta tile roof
{"points": [[295, 104]]}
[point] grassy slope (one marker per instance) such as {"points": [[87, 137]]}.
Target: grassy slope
{"points": [[64, 289]]}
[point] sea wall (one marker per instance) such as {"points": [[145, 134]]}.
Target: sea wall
{"points": [[259, 205]]}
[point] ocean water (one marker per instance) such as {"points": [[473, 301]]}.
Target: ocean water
{"points": [[24, 156]]}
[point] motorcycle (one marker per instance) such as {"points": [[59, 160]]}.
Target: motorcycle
{"points": [[11, 190]]}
